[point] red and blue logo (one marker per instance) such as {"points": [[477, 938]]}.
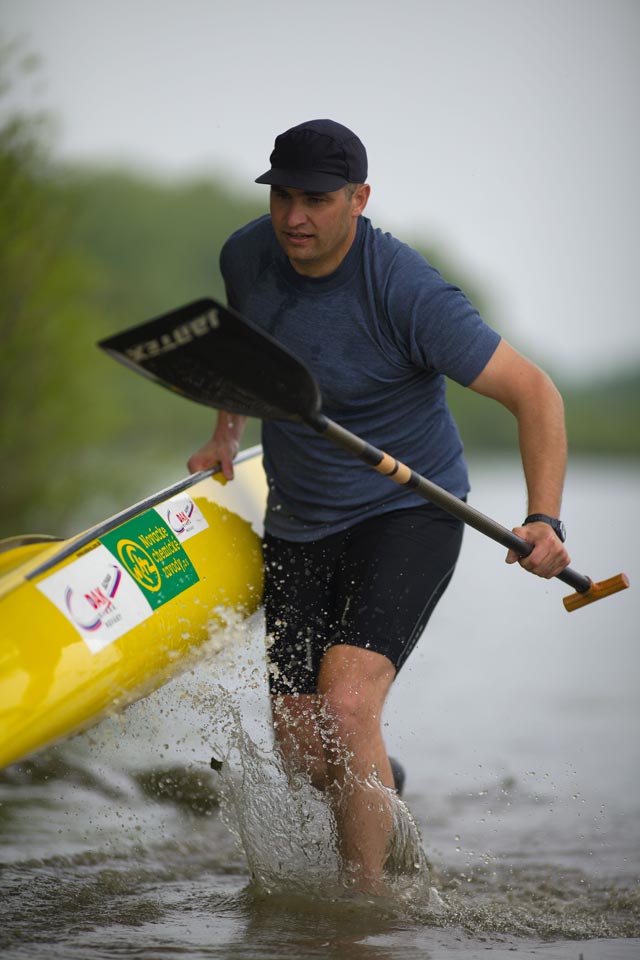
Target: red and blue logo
{"points": [[178, 519], [89, 608]]}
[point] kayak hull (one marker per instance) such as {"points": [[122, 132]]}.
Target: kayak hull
{"points": [[92, 624]]}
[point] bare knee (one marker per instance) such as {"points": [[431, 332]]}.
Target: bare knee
{"points": [[352, 737], [354, 684], [348, 711]]}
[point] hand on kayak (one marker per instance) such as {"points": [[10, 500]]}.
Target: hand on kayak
{"points": [[549, 556], [222, 448]]}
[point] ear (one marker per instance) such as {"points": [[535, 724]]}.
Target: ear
{"points": [[360, 198]]}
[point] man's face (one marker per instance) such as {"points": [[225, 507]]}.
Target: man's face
{"points": [[316, 230]]}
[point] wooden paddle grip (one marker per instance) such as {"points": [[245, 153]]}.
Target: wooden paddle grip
{"points": [[596, 592]]}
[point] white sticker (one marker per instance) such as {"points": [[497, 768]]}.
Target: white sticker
{"points": [[182, 516], [98, 597]]}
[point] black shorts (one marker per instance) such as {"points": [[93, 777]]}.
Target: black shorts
{"points": [[374, 585]]}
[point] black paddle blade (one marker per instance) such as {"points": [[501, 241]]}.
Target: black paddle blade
{"points": [[209, 353]]}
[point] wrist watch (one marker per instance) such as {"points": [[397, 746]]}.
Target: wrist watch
{"points": [[557, 526]]}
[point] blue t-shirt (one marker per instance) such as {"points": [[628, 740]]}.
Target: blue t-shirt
{"points": [[379, 334]]}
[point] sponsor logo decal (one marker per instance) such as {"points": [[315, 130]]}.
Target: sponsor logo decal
{"points": [[153, 556], [98, 598], [140, 565], [97, 605], [134, 570], [183, 517], [179, 517]]}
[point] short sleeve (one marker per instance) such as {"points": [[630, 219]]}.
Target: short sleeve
{"points": [[440, 327]]}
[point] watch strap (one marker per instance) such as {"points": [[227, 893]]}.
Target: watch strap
{"points": [[554, 523]]}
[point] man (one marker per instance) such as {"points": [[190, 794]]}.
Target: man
{"points": [[355, 564]]}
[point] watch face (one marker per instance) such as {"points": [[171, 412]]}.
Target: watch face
{"points": [[561, 530]]}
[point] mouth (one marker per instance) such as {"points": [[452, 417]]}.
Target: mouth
{"points": [[297, 238]]}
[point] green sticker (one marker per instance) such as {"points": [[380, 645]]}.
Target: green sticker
{"points": [[149, 550]]}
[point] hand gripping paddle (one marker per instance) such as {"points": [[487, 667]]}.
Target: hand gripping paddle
{"points": [[210, 354]]}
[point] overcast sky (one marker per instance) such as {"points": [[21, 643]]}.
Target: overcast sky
{"points": [[504, 130]]}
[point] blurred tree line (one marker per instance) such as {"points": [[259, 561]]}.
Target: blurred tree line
{"points": [[85, 252]]}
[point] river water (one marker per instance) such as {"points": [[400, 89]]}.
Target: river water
{"points": [[517, 724]]}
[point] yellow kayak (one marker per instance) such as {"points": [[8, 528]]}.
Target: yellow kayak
{"points": [[90, 624]]}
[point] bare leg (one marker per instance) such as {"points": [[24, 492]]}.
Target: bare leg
{"points": [[335, 737], [354, 684]]}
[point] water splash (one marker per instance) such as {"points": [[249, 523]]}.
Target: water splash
{"points": [[283, 825], [285, 830]]}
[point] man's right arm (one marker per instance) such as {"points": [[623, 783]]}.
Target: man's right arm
{"points": [[223, 446]]}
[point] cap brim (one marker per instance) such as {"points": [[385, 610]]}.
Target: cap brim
{"points": [[309, 180]]}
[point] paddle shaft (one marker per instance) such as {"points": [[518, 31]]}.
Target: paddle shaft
{"points": [[400, 473], [213, 355]]}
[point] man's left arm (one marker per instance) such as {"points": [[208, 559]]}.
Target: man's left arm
{"points": [[530, 395]]}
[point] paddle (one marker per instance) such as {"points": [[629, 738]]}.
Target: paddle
{"points": [[212, 355]]}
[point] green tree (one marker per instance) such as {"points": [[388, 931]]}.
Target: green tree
{"points": [[42, 310], [84, 253]]}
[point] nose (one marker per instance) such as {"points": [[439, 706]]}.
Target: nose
{"points": [[296, 214]]}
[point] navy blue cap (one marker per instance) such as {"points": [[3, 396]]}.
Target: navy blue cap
{"points": [[317, 156]]}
